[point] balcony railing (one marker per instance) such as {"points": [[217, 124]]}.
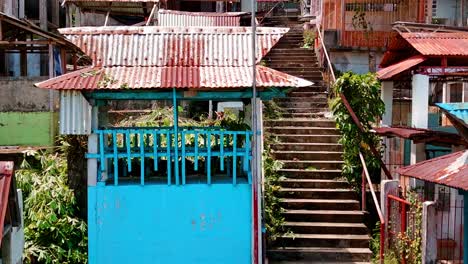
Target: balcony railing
{"points": [[162, 155]]}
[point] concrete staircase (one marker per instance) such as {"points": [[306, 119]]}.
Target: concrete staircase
{"points": [[322, 210]]}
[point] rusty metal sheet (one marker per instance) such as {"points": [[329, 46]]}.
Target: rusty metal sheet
{"points": [[140, 77], [6, 173], [439, 44], [198, 19], [397, 68], [172, 46], [449, 170], [419, 135]]}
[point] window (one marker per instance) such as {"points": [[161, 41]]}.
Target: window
{"points": [[371, 7]]}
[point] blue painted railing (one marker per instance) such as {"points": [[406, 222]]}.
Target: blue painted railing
{"points": [[122, 145]]}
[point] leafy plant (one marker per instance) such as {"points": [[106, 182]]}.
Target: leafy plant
{"points": [[274, 218], [271, 110], [309, 39], [410, 242], [53, 232], [363, 95]]}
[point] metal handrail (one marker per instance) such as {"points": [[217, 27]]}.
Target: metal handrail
{"points": [[366, 178], [322, 43], [356, 120]]}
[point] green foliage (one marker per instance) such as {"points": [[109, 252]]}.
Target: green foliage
{"points": [[274, 219], [410, 242], [363, 94], [389, 256], [309, 39], [53, 232], [271, 110]]}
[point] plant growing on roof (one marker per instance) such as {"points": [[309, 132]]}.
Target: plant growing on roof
{"points": [[363, 94]]}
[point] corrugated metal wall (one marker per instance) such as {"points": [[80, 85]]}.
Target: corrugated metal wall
{"points": [[75, 114], [189, 19]]}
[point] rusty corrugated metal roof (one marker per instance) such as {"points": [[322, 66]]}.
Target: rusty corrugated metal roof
{"points": [[439, 44], [141, 77], [433, 44], [172, 46], [449, 170], [419, 135], [397, 68], [198, 19]]}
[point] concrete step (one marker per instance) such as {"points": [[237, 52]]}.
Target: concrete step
{"points": [[301, 122], [308, 69], [324, 255], [320, 204], [307, 93], [313, 183], [306, 146], [306, 138], [326, 228], [325, 240], [318, 193], [303, 115], [282, 63], [308, 155], [335, 216], [309, 172], [303, 130], [304, 110], [307, 166], [301, 104], [276, 55]]}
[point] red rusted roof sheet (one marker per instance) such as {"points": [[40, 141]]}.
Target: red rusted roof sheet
{"points": [[6, 173], [172, 46], [141, 77], [199, 19], [167, 57], [419, 135], [449, 170], [397, 68], [429, 44], [439, 44]]}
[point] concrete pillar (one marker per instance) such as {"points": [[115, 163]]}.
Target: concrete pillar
{"points": [[13, 241], [419, 113], [386, 187], [387, 98], [429, 239]]}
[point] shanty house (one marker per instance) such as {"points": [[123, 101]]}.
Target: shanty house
{"points": [[154, 192]]}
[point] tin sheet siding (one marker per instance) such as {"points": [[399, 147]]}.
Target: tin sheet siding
{"points": [[189, 19], [172, 46], [75, 113]]}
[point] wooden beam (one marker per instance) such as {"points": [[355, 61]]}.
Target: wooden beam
{"points": [[27, 42], [1, 30], [63, 59], [151, 15]]}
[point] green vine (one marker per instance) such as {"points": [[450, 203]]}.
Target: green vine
{"points": [[363, 95]]}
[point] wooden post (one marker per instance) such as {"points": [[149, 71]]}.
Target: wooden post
{"points": [[43, 14], [63, 58]]}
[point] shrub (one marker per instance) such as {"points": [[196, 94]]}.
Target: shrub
{"points": [[53, 232], [363, 94]]}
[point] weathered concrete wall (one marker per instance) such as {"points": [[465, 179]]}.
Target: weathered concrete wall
{"points": [[355, 61], [28, 129], [19, 94]]}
